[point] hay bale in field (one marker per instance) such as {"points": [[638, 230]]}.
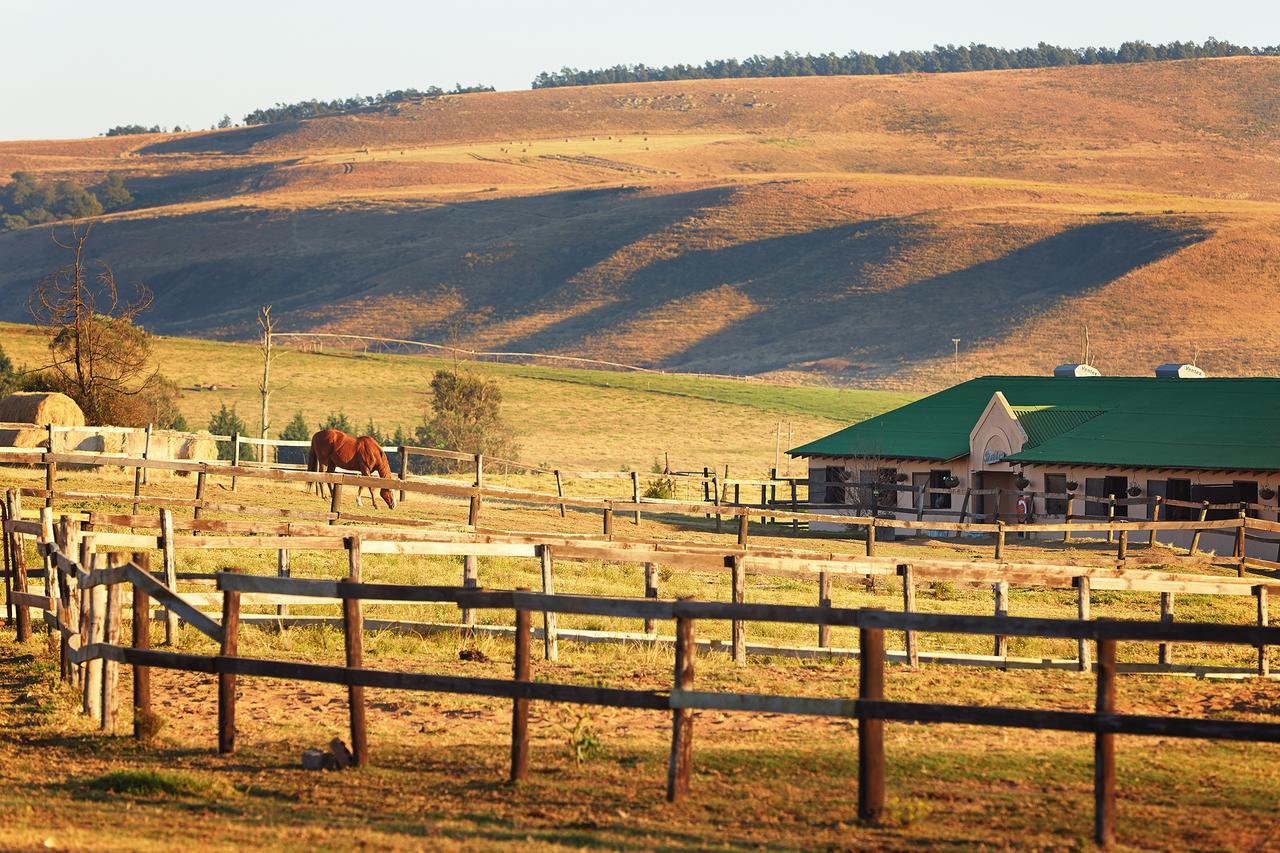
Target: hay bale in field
{"points": [[39, 409], [198, 447]]}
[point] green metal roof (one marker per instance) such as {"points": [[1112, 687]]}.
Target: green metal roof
{"points": [[1045, 422], [1230, 424]]}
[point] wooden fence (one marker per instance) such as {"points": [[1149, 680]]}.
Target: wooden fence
{"points": [[739, 562], [93, 651]]}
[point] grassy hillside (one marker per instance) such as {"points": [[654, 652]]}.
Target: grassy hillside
{"points": [[572, 418], [792, 227]]}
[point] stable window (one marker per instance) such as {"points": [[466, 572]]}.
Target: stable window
{"points": [[1223, 494], [834, 492], [1179, 489], [938, 480], [1055, 484]]}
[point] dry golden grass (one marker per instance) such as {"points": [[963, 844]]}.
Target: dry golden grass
{"points": [[789, 227]]}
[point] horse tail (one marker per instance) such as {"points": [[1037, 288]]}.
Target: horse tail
{"points": [[313, 464]]}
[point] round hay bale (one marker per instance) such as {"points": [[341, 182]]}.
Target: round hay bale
{"points": [[41, 408], [199, 447]]}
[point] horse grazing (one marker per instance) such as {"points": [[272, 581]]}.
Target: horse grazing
{"points": [[332, 449]]}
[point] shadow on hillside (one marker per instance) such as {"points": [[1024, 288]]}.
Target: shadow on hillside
{"points": [[238, 141]]}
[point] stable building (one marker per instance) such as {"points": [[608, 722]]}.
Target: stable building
{"points": [[1176, 435]]}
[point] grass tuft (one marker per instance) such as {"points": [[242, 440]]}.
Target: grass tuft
{"points": [[153, 783]]}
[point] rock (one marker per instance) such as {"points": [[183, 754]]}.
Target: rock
{"points": [[313, 759], [328, 761], [340, 753], [473, 655]]}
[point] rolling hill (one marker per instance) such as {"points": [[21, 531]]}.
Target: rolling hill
{"points": [[840, 228]]}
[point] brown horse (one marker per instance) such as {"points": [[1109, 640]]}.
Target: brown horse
{"points": [[332, 449]]}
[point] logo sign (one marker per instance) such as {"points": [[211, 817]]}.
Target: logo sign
{"points": [[991, 456]]}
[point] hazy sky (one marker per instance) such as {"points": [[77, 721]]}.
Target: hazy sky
{"points": [[76, 68]]}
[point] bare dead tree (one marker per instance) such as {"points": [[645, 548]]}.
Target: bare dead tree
{"points": [[264, 385], [98, 354]]}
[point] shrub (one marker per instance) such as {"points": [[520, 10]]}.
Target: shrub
{"points": [[228, 422], [466, 415], [295, 430], [661, 488]]}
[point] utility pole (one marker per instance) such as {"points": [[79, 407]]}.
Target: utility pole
{"points": [[955, 342]]}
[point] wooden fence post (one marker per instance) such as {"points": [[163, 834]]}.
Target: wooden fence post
{"points": [[170, 573], [1104, 749], [353, 636], [111, 634], [1111, 518], [743, 521], [1195, 536], [1122, 550], [1260, 593], [715, 482], [143, 726], [650, 591], [1083, 606], [795, 506], [1001, 589], [146, 454], [78, 599], [55, 583], [560, 491], [96, 624], [1239, 551], [282, 571], [227, 680], [8, 558], [738, 576], [1156, 508], [403, 453], [520, 705], [824, 600], [909, 606], [335, 503], [200, 479], [635, 495], [1166, 615], [681, 760], [871, 536], [999, 540], [137, 487], [50, 473], [22, 615], [470, 580], [235, 457], [473, 509], [870, 731], [550, 638], [1066, 521], [608, 521]]}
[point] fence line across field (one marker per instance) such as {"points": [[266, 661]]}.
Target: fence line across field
{"points": [[740, 562], [92, 650]]}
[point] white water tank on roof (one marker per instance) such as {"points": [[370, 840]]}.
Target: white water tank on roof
{"points": [[1075, 370], [1179, 371]]}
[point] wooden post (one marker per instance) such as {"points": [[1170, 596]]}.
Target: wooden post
{"points": [[520, 706], [200, 478], [964, 505], [235, 457], [719, 518], [635, 495], [1195, 537], [870, 732], [146, 454], [56, 583], [1239, 550], [650, 591], [550, 639], [1083, 610], [1166, 615], [353, 636], [871, 537], [227, 680], [919, 503], [1264, 664], [79, 600], [999, 540], [470, 580], [96, 623], [22, 616], [7, 541], [111, 634], [50, 472], [681, 760], [1111, 518], [706, 486], [909, 606], [282, 571], [1122, 550], [738, 576], [1104, 750], [137, 487], [795, 506], [403, 453], [1066, 534], [1156, 506], [335, 503], [1001, 589], [142, 714], [743, 521], [473, 510], [608, 521], [170, 573], [560, 491], [824, 600]]}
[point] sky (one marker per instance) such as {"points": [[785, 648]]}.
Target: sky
{"points": [[78, 67]]}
